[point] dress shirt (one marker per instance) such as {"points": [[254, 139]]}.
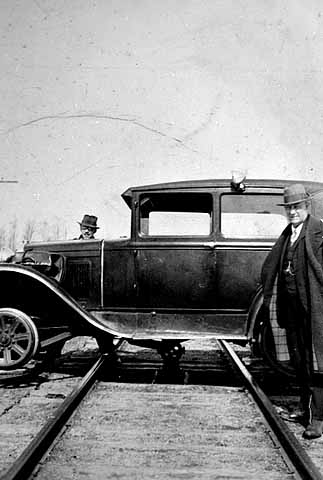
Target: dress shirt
{"points": [[295, 233]]}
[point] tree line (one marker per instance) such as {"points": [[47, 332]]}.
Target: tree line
{"points": [[14, 235]]}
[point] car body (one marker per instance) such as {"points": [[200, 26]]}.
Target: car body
{"points": [[190, 269]]}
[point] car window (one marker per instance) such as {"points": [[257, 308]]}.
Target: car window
{"points": [[252, 216], [175, 214]]}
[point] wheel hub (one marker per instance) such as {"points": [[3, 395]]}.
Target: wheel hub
{"points": [[5, 340], [171, 354]]}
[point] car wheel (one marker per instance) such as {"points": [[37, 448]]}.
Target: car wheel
{"points": [[18, 338]]}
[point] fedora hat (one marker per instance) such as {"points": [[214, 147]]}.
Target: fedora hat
{"points": [[89, 221], [293, 194]]}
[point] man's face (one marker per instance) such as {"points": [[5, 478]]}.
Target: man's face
{"points": [[297, 213], [87, 232]]}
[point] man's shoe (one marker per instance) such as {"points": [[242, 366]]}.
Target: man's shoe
{"points": [[313, 430]]}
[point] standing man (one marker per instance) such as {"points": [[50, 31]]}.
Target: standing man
{"points": [[296, 262], [88, 227]]}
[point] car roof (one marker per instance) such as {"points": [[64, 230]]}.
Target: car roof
{"points": [[310, 186]]}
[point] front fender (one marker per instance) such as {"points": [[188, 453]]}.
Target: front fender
{"points": [[30, 291]]}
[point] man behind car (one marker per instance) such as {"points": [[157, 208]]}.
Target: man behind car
{"points": [[88, 227]]}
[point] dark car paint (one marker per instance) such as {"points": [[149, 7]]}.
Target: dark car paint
{"points": [[149, 287]]}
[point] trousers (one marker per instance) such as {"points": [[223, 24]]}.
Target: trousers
{"points": [[299, 342]]}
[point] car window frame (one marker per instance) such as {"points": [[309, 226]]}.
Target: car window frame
{"points": [[275, 192], [174, 238]]}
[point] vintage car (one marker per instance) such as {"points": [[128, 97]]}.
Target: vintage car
{"points": [[190, 269]]}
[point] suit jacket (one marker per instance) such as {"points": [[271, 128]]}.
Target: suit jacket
{"points": [[308, 275]]}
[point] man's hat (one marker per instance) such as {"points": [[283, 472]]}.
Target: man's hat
{"points": [[89, 221], [293, 194]]}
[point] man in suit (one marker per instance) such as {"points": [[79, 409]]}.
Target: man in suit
{"points": [[296, 263], [88, 227]]}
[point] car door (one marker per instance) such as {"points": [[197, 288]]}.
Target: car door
{"points": [[175, 254], [119, 280]]}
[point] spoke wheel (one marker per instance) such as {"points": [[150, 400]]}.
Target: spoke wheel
{"points": [[18, 338]]}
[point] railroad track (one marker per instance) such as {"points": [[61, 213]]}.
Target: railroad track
{"points": [[295, 461], [299, 461], [28, 460]]}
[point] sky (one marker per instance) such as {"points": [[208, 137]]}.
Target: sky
{"points": [[101, 95]]}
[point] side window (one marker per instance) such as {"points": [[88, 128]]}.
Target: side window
{"points": [[252, 215], [175, 214]]}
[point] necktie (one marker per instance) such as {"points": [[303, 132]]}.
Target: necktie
{"points": [[293, 237]]}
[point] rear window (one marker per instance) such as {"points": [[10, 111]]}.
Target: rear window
{"points": [[251, 216], [175, 214]]}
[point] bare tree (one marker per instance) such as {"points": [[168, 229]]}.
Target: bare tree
{"points": [[12, 234], [55, 230], [59, 230], [29, 230], [2, 237], [44, 230]]}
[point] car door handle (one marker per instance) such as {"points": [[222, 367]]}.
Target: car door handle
{"points": [[210, 245]]}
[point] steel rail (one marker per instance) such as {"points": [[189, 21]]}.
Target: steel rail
{"points": [[295, 452], [25, 464]]}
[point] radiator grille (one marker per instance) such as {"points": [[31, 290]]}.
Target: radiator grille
{"points": [[78, 278]]}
